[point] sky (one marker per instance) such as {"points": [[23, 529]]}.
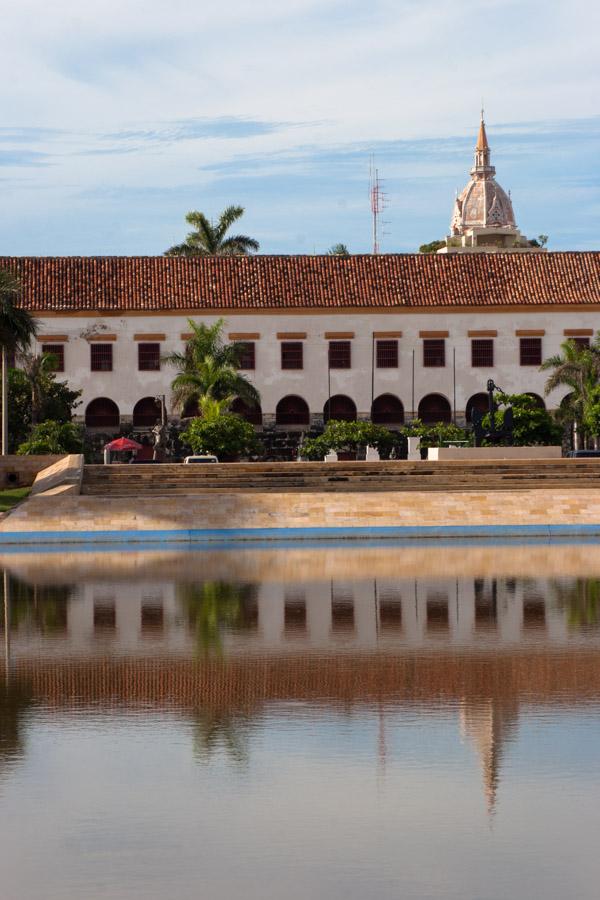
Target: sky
{"points": [[118, 117]]}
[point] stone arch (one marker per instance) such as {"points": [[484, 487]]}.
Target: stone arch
{"points": [[434, 408], [292, 410], [340, 407], [539, 401], [479, 402], [387, 409], [146, 412], [252, 414], [191, 410], [102, 413]]}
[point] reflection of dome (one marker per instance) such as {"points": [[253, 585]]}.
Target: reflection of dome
{"points": [[483, 219], [489, 724]]}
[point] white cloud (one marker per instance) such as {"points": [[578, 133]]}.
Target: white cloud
{"points": [[338, 73]]}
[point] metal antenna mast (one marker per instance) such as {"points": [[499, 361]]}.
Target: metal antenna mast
{"points": [[377, 201]]}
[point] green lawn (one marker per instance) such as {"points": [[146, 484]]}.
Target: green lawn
{"points": [[11, 496]]}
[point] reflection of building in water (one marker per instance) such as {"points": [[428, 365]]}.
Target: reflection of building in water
{"points": [[381, 614], [489, 724]]}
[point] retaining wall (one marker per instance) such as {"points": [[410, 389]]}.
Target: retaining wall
{"points": [[64, 516], [20, 471]]}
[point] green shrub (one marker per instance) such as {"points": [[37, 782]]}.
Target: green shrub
{"points": [[531, 424], [53, 437], [349, 436], [228, 436], [438, 434]]}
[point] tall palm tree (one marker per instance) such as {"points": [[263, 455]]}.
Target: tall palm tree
{"points": [[338, 250], [208, 370], [17, 328], [38, 368], [208, 239], [577, 368]]}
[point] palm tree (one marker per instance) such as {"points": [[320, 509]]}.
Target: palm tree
{"points": [[338, 250], [37, 367], [208, 239], [208, 370], [579, 369], [17, 328]]}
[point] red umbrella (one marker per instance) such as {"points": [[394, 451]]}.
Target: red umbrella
{"points": [[123, 444]]}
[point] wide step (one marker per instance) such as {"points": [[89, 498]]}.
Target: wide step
{"points": [[492, 475]]}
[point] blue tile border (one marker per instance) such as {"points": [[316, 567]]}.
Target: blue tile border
{"points": [[266, 535]]}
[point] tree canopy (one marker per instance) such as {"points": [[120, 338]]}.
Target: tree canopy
{"points": [[210, 239], [432, 247], [209, 369], [577, 368], [338, 250], [17, 326]]}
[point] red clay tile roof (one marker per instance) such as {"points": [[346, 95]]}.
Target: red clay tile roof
{"points": [[120, 283]]}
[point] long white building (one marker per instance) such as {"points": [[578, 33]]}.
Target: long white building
{"points": [[390, 337]]}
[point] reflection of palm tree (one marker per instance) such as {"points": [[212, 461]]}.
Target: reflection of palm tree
{"points": [[581, 599], [40, 607], [15, 700], [216, 729], [212, 607]]}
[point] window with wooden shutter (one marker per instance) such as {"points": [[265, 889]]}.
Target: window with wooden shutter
{"points": [[292, 355], [101, 357], [387, 354]]}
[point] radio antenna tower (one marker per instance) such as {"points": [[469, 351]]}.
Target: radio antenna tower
{"points": [[378, 203]]}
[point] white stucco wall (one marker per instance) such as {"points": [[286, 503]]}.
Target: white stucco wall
{"points": [[126, 385]]}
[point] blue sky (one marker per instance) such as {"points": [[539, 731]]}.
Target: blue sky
{"points": [[117, 118]]}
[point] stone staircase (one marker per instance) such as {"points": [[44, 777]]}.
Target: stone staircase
{"points": [[490, 475]]}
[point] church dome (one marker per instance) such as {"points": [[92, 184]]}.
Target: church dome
{"points": [[482, 203]]}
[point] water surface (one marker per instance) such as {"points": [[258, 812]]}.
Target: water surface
{"points": [[353, 721]]}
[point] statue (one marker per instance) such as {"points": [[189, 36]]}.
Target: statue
{"points": [[159, 430], [493, 434]]}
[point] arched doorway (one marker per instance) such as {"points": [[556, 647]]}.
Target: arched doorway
{"points": [[252, 414], [146, 412], [191, 410], [102, 413], [292, 410], [539, 402], [434, 408], [387, 409], [479, 402], [341, 408]]}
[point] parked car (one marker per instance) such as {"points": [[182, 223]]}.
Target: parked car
{"points": [[584, 454], [204, 458]]}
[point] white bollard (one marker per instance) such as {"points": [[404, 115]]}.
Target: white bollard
{"points": [[414, 444]]}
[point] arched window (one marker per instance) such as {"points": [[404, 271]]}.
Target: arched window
{"points": [[537, 399], [387, 410], [102, 413], [480, 402], [340, 407], [191, 410], [434, 408], [146, 412], [292, 410], [252, 414]]}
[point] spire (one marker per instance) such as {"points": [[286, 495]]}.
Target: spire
{"points": [[482, 141], [482, 167]]}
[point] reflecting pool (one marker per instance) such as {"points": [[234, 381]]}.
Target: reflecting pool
{"points": [[345, 721]]}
